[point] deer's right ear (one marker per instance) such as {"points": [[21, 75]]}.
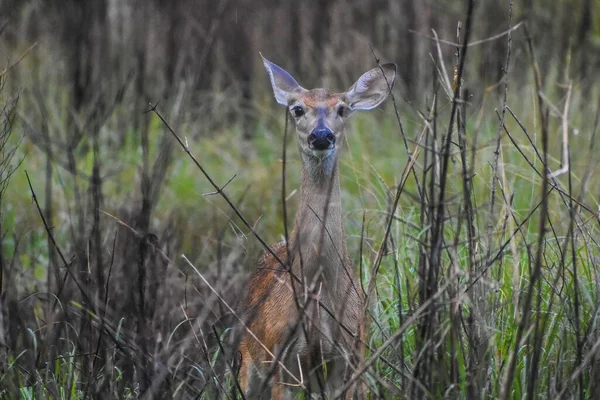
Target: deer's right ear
{"points": [[284, 85]]}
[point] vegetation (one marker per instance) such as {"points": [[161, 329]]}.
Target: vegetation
{"points": [[471, 200]]}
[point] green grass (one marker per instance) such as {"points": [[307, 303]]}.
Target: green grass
{"points": [[371, 166]]}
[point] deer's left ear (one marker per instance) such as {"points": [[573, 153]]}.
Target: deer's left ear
{"points": [[284, 85], [372, 88]]}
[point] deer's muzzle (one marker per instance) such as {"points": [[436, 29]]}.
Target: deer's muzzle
{"points": [[321, 139]]}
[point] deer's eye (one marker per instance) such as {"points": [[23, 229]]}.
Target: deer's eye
{"points": [[343, 111], [297, 111]]}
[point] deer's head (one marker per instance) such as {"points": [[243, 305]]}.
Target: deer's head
{"points": [[320, 115]]}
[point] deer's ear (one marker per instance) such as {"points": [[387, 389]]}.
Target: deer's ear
{"points": [[284, 85], [372, 88]]}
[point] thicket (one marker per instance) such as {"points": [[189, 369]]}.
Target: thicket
{"points": [[476, 184]]}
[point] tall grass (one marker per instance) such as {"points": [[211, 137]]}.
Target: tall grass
{"points": [[485, 283]]}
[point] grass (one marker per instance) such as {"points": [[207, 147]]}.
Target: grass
{"points": [[174, 338]]}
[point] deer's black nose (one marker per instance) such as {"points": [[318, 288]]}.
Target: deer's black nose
{"points": [[321, 139]]}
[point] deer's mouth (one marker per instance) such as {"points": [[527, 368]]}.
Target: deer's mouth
{"points": [[322, 153]]}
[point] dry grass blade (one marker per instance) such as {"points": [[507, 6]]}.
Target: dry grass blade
{"points": [[565, 137]]}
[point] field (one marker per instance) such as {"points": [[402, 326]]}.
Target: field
{"points": [[470, 199]]}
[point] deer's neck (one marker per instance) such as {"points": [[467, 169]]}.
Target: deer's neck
{"points": [[318, 239]]}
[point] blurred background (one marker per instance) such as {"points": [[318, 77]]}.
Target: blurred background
{"points": [[114, 310], [212, 48]]}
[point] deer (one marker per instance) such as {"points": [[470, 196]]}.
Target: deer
{"points": [[304, 306]]}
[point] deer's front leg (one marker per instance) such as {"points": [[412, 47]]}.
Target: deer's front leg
{"points": [[245, 368], [279, 391]]}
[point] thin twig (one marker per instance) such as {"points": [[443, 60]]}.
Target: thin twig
{"points": [[218, 191], [232, 311], [66, 264], [5, 70], [471, 44]]}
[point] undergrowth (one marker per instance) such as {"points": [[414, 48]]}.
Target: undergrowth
{"points": [[487, 287]]}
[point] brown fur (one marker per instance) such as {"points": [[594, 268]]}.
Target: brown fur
{"points": [[272, 309], [320, 96], [317, 258]]}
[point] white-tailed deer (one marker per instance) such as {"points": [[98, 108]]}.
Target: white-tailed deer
{"points": [[311, 316]]}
